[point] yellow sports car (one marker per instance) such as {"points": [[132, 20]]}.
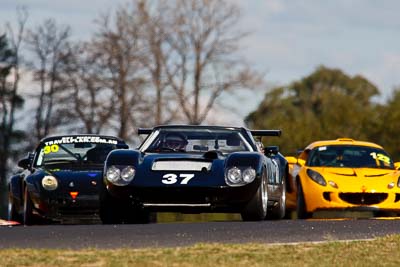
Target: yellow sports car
{"points": [[343, 174]]}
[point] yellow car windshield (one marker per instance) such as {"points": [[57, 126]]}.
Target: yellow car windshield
{"points": [[349, 156]]}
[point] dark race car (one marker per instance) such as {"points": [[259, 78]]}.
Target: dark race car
{"points": [[195, 169], [61, 179]]}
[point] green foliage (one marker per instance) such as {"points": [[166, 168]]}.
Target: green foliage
{"points": [[328, 104], [387, 131]]}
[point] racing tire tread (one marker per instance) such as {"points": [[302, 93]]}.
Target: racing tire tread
{"points": [[301, 209], [254, 210]]}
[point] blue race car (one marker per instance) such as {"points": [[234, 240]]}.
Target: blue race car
{"points": [[61, 179], [195, 169]]}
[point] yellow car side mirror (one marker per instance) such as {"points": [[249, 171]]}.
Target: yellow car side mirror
{"points": [[301, 162], [397, 165], [291, 160]]}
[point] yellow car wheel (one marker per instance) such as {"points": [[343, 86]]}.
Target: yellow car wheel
{"points": [[301, 204]]}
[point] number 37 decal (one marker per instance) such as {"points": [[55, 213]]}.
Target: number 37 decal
{"points": [[171, 178]]}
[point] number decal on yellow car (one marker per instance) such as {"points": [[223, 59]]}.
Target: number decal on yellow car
{"points": [[381, 157], [51, 149]]}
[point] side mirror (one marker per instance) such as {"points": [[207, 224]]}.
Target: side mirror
{"points": [[291, 160], [24, 163], [301, 162], [397, 165], [271, 150]]}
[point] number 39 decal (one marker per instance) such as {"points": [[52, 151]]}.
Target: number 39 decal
{"points": [[171, 178]]}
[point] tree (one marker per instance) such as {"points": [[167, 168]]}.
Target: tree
{"points": [[119, 51], [50, 47], [155, 24], [86, 98], [204, 61], [327, 104], [386, 128], [10, 101]]}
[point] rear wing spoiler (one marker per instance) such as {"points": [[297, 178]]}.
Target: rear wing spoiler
{"points": [[266, 132], [142, 131]]}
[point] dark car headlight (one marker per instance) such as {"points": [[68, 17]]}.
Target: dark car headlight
{"points": [[249, 175], [120, 176], [235, 176], [49, 183], [113, 174], [316, 177], [128, 173]]}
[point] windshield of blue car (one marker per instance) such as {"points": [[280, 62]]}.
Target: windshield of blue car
{"points": [[349, 156], [85, 153], [196, 141]]}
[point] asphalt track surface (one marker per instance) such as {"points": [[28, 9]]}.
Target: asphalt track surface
{"points": [[185, 234]]}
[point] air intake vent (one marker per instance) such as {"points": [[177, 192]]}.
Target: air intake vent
{"points": [[181, 165], [363, 198]]}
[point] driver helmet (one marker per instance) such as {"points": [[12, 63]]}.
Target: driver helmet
{"points": [[175, 141]]}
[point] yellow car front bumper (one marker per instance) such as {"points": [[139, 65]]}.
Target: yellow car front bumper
{"points": [[357, 196]]}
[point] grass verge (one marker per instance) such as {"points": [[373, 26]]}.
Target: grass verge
{"points": [[380, 252]]}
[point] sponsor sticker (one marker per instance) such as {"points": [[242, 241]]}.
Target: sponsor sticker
{"points": [[81, 139]]}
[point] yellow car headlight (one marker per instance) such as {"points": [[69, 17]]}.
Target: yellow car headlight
{"points": [[316, 177]]}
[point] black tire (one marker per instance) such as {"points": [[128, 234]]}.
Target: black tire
{"points": [[301, 204], [12, 211], [28, 216], [278, 212], [111, 211], [116, 211], [256, 209]]}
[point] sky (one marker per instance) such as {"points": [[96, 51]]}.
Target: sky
{"points": [[289, 38]]}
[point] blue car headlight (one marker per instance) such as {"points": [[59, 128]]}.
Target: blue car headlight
{"points": [[120, 176], [235, 176], [128, 173], [249, 175], [113, 174], [49, 183]]}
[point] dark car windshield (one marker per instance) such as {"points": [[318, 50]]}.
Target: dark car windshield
{"points": [[198, 140], [349, 156], [85, 153]]}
